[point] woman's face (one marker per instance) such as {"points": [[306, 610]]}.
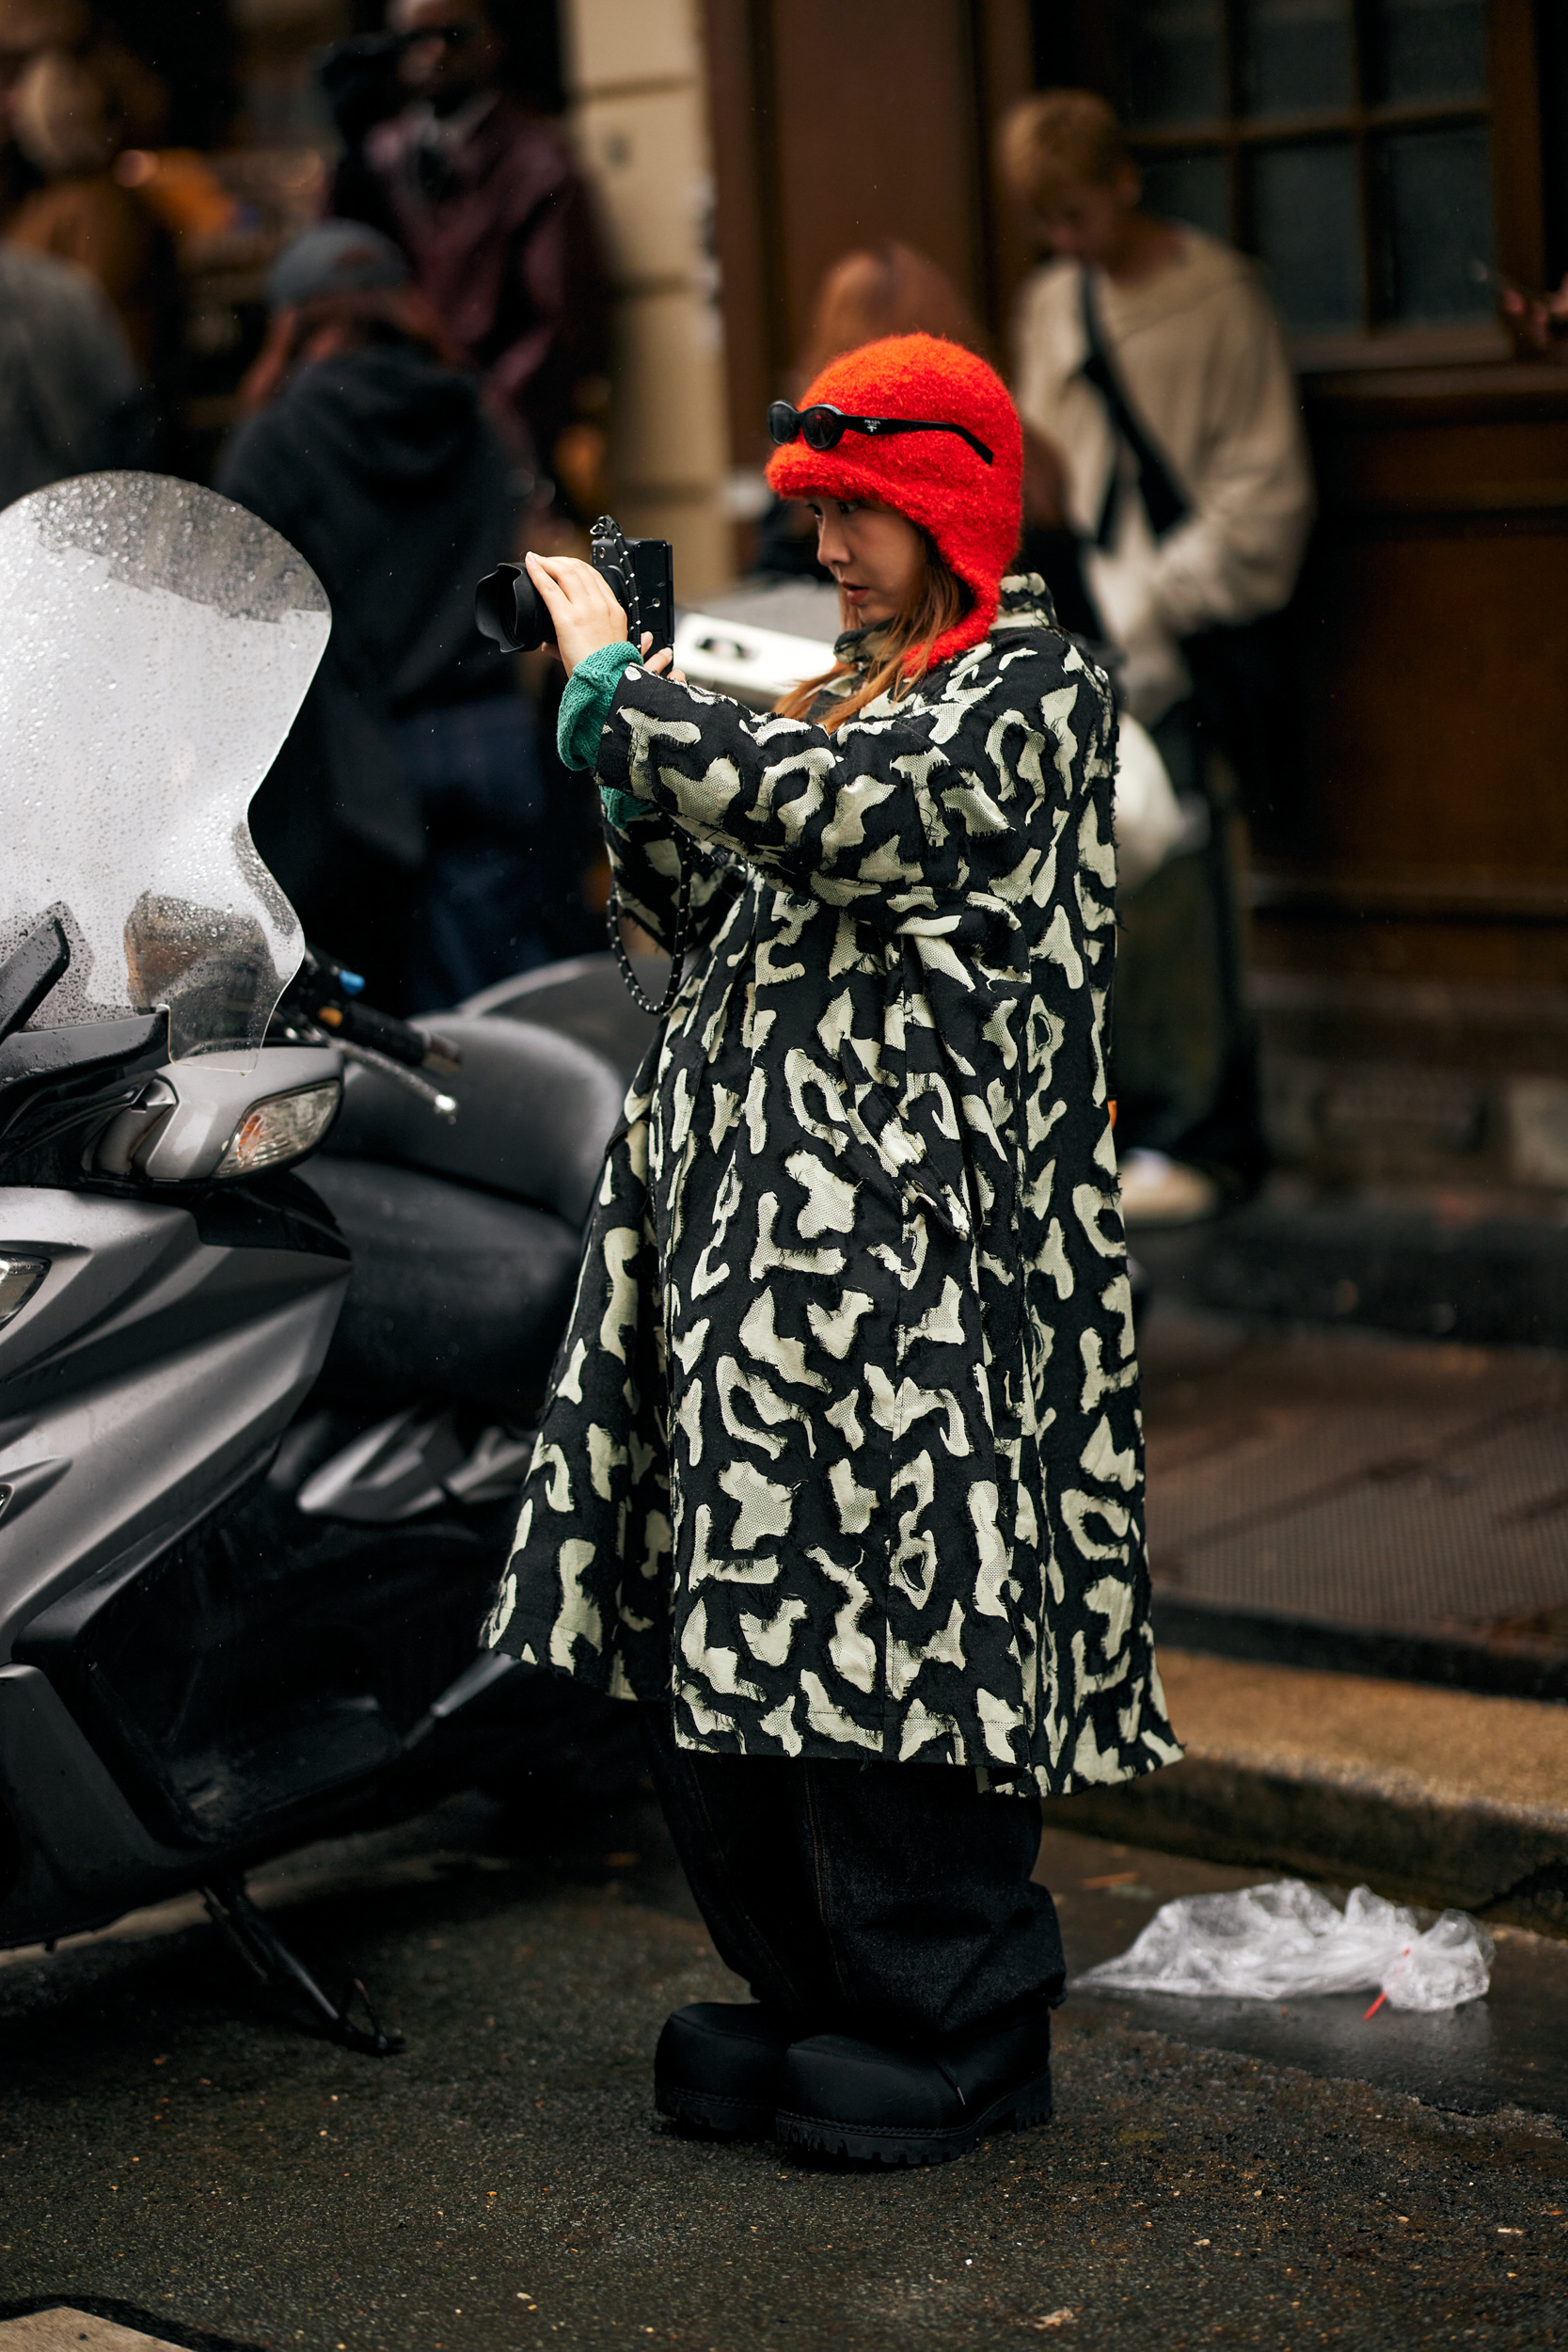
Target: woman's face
{"points": [[876, 556]]}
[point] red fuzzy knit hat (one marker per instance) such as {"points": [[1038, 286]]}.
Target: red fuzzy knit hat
{"points": [[971, 509]]}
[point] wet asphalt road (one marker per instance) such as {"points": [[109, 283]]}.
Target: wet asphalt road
{"points": [[170, 2148]]}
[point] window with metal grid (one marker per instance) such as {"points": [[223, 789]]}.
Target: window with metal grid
{"points": [[1347, 143]]}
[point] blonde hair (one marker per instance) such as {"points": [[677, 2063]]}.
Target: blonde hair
{"points": [[889, 289], [938, 601], [1057, 137]]}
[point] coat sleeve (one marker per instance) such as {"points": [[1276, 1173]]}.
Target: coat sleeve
{"points": [[646, 859], [910, 822], [1237, 554]]}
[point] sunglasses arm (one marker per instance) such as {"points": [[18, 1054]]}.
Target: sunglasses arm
{"points": [[786, 423], [878, 426]]}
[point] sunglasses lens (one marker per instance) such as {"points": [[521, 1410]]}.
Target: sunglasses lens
{"points": [[783, 422], [822, 427]]}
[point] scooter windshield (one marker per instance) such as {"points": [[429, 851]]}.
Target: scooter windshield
{"points": [[156, 643]]}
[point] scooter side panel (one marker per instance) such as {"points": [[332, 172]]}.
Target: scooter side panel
{"points": [[134, 1282], [101, 1252], [196, 1361]]}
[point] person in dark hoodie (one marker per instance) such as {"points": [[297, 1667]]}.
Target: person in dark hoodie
{"points": [[404, 815]]}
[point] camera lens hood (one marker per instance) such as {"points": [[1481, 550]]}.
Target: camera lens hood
{"points": [[509, 610]]}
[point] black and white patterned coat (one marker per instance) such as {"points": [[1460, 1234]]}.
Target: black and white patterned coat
{"points": [[842, 1450]]}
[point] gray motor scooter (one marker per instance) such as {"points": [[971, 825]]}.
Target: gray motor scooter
{"points": [[261, 1433]]}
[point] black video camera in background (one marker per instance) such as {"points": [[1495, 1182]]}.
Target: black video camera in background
{"points": [[358, 79], [639, 573]]}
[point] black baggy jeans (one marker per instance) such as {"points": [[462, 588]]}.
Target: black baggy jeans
{"points": [[887, 1901]]}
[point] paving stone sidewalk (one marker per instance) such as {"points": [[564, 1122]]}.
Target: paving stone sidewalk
{"points": [[1356, 1478]]}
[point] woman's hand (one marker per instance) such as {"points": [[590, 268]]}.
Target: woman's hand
{"points": [[1535, 319], [586, 615], [660, 662]]}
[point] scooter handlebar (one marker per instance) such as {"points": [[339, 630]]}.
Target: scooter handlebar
{"points": [[328, 997]]}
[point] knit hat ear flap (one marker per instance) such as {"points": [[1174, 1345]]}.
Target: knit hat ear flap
{"points": [[973, 511]]}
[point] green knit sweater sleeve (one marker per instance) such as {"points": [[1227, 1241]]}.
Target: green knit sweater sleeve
{"points": [[584, 708]]}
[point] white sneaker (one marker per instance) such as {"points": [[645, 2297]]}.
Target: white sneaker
{"points": [[1160, 1191]]}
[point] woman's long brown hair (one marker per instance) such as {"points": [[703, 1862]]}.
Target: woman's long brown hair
{"points": [[937, 602]]}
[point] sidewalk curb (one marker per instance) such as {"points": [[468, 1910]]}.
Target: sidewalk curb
{"points": [[1504, 1862], [1497, 1281], [1518, 1668], [1438, 1833]]}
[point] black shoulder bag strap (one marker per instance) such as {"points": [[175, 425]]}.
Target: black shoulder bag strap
{"points": [[1164, 502], [1235, 667], [678, 944], [1229, 666]]}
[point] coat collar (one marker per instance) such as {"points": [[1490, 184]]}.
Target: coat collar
{"points": [[505, 139], [1203, 268], [1023, 603]]}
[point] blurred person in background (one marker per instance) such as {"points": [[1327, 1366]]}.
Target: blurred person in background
{"points": [[486, 198], [28, 27], [72, 398], [1172, 469], [72, 116], [889, 289], [1538, 322], [403, 814]]}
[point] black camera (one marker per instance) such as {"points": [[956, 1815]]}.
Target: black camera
{"points": [[640, 574]]}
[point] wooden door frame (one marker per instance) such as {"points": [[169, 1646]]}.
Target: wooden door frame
{"points": [[749, 230]]}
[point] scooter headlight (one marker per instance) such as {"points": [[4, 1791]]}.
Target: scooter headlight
{"points": [[282, 1128], [18, 1279]]}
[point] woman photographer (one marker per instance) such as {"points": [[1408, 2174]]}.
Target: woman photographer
{"points": [[841, 1470]]}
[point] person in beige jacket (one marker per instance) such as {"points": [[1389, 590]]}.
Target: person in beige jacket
{"points": [[1167, 441]]}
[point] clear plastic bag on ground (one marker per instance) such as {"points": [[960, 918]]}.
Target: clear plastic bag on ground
{"points": [[1287, 1941]]}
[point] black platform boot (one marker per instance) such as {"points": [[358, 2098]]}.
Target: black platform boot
{"points": [[717, 2069], [839, 2096]]}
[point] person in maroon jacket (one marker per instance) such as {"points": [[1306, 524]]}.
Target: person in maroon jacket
{"points": [[485, 199]]}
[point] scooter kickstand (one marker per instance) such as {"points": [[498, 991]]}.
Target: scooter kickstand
{"points": [[265, 1953]]}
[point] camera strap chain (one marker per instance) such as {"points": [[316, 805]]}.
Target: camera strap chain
{"points": [[678, 947]]}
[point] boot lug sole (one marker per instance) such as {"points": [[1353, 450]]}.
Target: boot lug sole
{"points": [[816, 2134], [710, 2115]]}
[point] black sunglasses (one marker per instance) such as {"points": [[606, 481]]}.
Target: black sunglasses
{"points": [[823, 427]]}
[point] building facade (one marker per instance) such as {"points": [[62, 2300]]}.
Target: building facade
{"points": [[1390, 163]]}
